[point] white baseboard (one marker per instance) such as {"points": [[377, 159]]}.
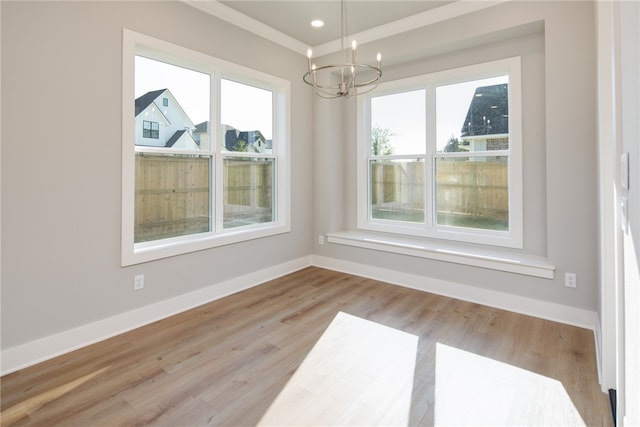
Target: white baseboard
{"points": [[518, 304], [597, 335], [15, 358]]}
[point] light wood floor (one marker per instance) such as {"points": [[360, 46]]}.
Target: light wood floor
{"points": [[321, 347]]}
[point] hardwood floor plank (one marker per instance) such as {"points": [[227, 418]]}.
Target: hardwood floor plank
{"points": [[227, 362]]}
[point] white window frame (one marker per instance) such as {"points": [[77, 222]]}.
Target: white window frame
{"points": [[139, 44], [513, 238]]}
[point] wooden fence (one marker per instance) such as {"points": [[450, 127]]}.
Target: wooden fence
{"points": [[172, 192], [463, 188], [248, 192], [172, 195]]}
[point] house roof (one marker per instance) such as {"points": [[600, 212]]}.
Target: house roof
{"points": [[488, 112], [145, 100], [202, 127], [175, 137]]}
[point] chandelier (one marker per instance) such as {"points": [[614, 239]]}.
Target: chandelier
{"points": [[347, 79]]}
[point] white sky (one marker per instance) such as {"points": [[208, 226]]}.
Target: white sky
{"points": [[244, 107], [249, 108], [404, 113]]}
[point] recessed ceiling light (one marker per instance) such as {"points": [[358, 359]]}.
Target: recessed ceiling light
{"points": [[317, 23]]}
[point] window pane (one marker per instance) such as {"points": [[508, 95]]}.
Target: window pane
{"points": [[171, 196], [473, 115], [397, 190], [473, 192], [248, 191], [247, 118], [181, 124], [398, 124]]}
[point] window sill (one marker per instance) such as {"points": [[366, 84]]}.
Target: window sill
{"points": [[153, 251], [485, 258]]}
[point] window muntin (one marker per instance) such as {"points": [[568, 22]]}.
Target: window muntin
{"points": [[464, 171], [183, 191]]}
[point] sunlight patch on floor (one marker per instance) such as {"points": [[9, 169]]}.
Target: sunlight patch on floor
{"points": [[358, 373], [473, 390], [22, 409]]}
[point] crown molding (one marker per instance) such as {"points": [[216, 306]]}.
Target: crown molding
{"points": [[429, 17]]}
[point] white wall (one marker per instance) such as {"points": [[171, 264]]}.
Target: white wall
{"points": [[556, 42], [61, 163]]}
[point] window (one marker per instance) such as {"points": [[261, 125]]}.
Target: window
{"points": [[205, 151], [439, 155], [150, 129]]}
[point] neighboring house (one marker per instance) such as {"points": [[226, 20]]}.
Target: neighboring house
{"points": [[201, 135], [250, 141], [234, 140], [486, 126], [161, 122]]}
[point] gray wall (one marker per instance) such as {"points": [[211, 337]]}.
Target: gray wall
{"points": [[556, 42], [61, 163]]}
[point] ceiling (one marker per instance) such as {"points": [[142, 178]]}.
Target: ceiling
{"points": [[288, 22], [293, 18]]}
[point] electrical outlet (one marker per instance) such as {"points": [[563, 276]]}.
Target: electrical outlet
{"points": [[321, 239], [138, 282], [570, 280]]}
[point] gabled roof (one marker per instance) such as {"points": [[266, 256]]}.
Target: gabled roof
{"points": [[488, 112], [145, 100]]}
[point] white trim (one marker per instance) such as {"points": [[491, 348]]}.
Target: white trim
{"points": [[134, 253], [36, 351], [609, 227], [597, 337], [448, 252], [515, 303], [512, 238]]}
